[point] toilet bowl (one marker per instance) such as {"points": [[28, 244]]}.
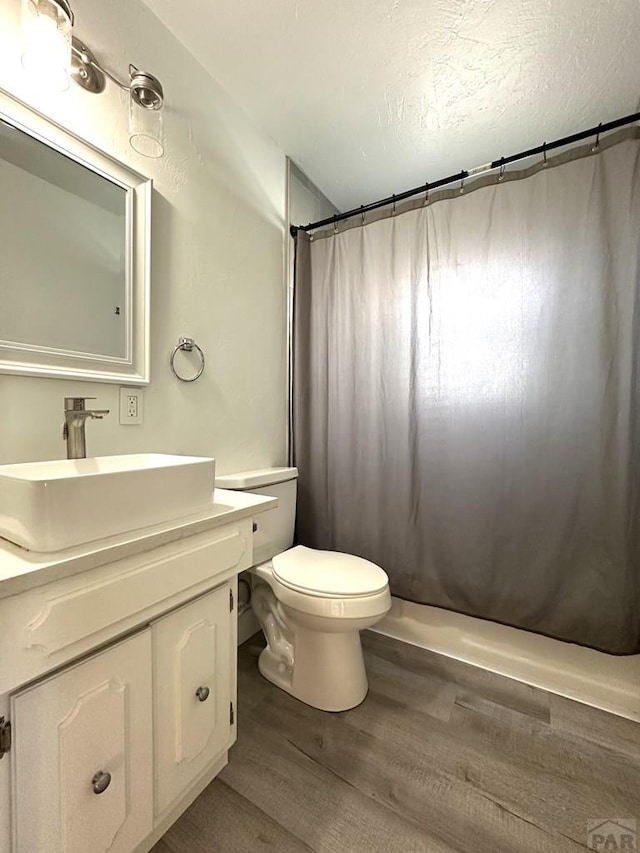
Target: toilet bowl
{"points": [[312, 625], [311, 604]]}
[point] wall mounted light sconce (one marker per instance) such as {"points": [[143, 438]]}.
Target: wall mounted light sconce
{"points": [[146, 97], [54, 55]]}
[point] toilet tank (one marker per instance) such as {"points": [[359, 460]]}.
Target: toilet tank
{"points": [[275, 527]]}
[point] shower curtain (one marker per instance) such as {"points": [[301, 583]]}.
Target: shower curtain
{"points": [[466, 400]]}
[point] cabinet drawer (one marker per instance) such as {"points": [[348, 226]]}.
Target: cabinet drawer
{"points": [[81, 759], [46, 627], [193, 663]]}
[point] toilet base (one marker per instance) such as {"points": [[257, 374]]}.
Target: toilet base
{"points": [[327, 672]]}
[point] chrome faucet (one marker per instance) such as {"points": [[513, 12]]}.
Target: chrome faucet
{"points": [[75, 416]]}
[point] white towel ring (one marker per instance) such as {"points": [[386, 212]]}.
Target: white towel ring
{"points": [[187, 345]]}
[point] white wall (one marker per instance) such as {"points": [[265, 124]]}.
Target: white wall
{"points": [[306, 202], [217, 258]]}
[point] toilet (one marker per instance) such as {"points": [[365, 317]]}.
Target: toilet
{"points": [[310, 604]]}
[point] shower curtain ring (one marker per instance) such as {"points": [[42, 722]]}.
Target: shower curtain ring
{"points": [[462, 175], [545, 162], [502, 168], [362, 214], [393, 207], [596, 146], [335, 227], [426, 193]]}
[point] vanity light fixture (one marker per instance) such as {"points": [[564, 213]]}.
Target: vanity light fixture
{"points": [[53, 54], [146, 98]]}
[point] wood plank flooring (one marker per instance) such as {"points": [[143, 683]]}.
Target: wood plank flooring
{"points": [[440, 757]]}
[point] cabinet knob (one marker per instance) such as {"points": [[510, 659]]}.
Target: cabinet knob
{"points": [[202, 693], [101, 781]]}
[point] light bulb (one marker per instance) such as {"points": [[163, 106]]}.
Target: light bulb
{"points": [[46, 55]]}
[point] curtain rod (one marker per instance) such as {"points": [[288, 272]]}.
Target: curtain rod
{"points": [[461, 176]]}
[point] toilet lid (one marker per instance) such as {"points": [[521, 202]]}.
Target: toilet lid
{"points": [[328, 572]]}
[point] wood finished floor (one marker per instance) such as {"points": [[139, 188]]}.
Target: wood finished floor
{"points": [[441, 756]]}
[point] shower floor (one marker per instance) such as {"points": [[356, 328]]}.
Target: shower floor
{"points": [[441, 756]]}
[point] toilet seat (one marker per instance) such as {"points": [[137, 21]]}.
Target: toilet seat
{"points": [[328, 574], [354, 605]]}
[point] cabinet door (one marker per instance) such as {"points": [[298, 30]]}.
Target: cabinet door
{"points": [[192, 659], [82, 762]]}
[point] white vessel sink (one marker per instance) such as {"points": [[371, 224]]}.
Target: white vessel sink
{"points": [[50, 506]]}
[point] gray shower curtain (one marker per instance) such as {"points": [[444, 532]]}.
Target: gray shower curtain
{"points": [[466, 396]]}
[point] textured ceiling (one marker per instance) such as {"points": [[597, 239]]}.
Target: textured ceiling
{"points": [[371, 97]]}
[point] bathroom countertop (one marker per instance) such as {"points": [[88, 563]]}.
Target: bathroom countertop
{"points": [[21, 570]]}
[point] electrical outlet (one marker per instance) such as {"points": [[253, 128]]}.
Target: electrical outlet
{"points": [[130, 405]]}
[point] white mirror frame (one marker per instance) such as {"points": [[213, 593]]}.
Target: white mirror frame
{"points": [[33, 360]]}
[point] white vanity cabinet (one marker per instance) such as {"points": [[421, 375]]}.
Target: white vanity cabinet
{"points": [[194, 692], [119, 683], [82, 755]]}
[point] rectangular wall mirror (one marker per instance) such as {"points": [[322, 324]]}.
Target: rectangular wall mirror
{"points": [[74, 255]]}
